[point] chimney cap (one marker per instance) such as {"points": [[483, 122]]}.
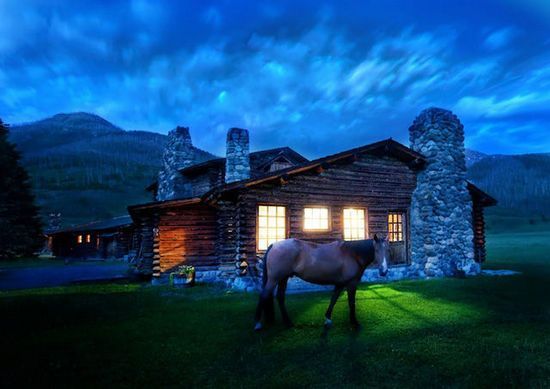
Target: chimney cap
{"points": [[182, 131], [235, 133]]}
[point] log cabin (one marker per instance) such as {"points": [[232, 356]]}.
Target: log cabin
{"points": [[221, 215], [103, 239]]}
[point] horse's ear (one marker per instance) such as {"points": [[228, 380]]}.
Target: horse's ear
{"points": [[376, 238]]}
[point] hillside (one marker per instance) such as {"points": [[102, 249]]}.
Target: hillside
{"points": [[520, 182], [87, 168]]}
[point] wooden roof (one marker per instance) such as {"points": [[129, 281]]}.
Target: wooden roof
{"points": [[388, 147], [385, 147], [258, 159], [106, 224], [485, 199]]}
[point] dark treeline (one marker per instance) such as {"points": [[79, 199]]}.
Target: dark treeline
{"points": [[517, 181]]}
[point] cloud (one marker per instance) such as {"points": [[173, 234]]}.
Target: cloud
{"points": [[492, 107], [294, 78], [212, 16], [500, 38]]}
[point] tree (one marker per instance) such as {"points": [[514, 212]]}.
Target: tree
{"points": [[20, 227]]}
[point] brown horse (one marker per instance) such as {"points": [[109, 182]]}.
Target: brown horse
{"points": [[340, 263]]}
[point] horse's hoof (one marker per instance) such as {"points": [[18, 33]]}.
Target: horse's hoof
{"points": [[258, 326], [328, 323]]}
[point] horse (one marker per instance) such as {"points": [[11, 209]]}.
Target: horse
{"points": [[339, 263]]}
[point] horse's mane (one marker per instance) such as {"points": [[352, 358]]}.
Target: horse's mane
{"points": [[361, 248]]}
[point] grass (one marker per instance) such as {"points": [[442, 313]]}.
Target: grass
{"points": [[478, 332]]}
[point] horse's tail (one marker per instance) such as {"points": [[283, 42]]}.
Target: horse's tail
{"points": [[264, 272], [269, 305]]}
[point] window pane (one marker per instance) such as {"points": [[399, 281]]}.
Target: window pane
{"points": [[395, 226], [262, 221], [354, 224], [271, 225], [262, 244], [316, 219]]}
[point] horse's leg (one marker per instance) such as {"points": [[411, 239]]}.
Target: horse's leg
{"points": [[351, 302], [281, 290], [333, 299], [266, 296]]}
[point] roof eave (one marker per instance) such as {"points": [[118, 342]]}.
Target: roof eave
{"points": [[133, 209]]}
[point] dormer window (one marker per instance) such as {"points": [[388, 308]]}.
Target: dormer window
{"points": [[279, 164]]}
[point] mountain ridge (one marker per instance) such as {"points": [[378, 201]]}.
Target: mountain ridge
{"points": [[88, 168]]}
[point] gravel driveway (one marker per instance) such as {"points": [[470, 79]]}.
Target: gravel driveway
{"points": [[38, 277]]}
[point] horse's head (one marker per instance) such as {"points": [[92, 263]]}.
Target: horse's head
{"points": [[381, 254]]}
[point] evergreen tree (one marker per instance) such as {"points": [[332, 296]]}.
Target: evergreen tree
{"points": [[20, 227]]}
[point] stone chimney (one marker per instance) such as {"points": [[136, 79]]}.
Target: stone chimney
{"points": [[441, 208], [178, 154], [237, 164]]}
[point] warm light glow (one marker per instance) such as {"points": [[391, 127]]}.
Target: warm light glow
{"points": [[88, 238], [354, 224], [79, 238], [395, 227], [271, 225], [316, 219]]}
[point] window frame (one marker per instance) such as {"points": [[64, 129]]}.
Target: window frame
{"points": [[258, 205], [403, 231], [317, 230], [366, 222]]}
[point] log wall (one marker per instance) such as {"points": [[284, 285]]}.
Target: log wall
{"points": [[378, 184], [187, 236], [479, 231]]}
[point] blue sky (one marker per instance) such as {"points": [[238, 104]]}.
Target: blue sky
{"points": [[318, 76]]}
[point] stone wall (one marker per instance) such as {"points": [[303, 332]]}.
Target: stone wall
{"points": [[441, 208], [237, 166], [178, 154]]}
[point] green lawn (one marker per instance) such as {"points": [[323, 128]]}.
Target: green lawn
{"points": [[479, 332]]}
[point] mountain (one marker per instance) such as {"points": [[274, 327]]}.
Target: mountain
{"points": [[87, 168], [473, 156], [519, 182]]}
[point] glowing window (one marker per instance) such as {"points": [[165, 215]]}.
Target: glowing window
{"points": [[395, 226], [354, 224], [88, 238], [271, 225], [79, 238], [316, 219]]}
